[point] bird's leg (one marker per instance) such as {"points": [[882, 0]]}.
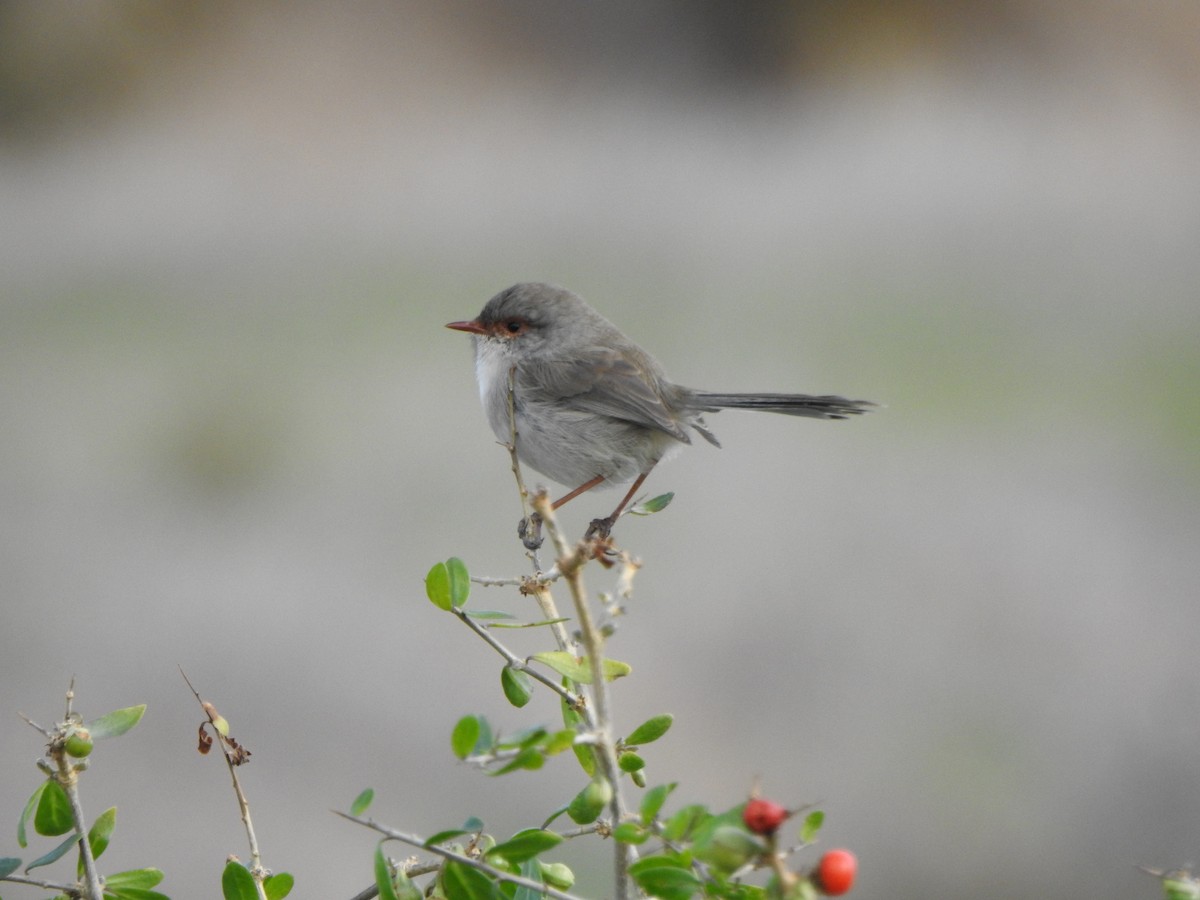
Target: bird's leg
{"points": [[600, 528], [586, 486], [529, 529]]}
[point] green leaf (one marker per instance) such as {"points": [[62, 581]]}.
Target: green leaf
{"points": [[492, 614], [577, 669], [98, 835], [614, 669], [54, 855], [133, 894], [558, 741], [437, 586], [531, 870], [279, 885], [134, 884], [530, 758], [140, 879], [666, 882], [460, 581], [465, 736], [650, 730], [383, 875], [361, 802], [8, 865], [53, 816], [631, 833], [566, 664], [557, 875], [653, 505], [518, 686], [526, 844], [686, 822], [583, 752], [811, 825], [117, 722], [471, 826], [653, 801], [237, 883], [462, 882], [405, 889], [630, 762], [30, 805], [727, 847], [589, 803]]}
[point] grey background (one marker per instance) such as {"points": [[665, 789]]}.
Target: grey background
{"points": [[235, 435]]}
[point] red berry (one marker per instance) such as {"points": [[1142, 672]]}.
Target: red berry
{"points": [[835, 872], [763, 816]]}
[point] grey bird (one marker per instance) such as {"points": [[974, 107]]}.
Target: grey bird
{"points": [[592, 408]]}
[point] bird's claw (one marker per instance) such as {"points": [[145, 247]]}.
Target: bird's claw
{"points": [[529, 530], [600, 529]]}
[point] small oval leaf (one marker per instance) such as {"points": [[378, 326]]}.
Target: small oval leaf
{"points": [[362, 801], [437, 586], [811, 825], [53, 816], [99, 835], [517, 685], [116, 722], [237, 883], [465, 735], [459, 581], [630, 762], [590, 802], [526, 844], [465, 883], [653, 505], [136, 879], [650, 730], [653, 801], [614, 669], [279, 885], [566, 664]]}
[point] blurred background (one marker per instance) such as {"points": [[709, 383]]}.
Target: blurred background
{"points": [[235, 435]]}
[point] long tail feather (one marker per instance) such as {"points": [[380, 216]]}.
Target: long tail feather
{"points": [[823, 407]]}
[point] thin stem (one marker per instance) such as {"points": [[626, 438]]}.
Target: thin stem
{"points": [[70, 890], [492, 872], [519, 581], [66, 773], [256, 867], [571, 563]]}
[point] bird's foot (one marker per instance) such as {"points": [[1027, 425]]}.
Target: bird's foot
{"points": [[600, 529], [529, 530]]}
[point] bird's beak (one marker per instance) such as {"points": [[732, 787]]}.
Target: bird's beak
{"points": [[473, 326]]}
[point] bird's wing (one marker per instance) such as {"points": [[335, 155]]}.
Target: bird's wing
{"points": [[605, 382]]}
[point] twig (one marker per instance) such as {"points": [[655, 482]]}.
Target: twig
{"points": [[571, 563], [500, 875], [520, 581], [70, 890], [257, 870]]}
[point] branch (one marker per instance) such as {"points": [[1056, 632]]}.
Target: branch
{"points": [[571, 563], [414, 841]]}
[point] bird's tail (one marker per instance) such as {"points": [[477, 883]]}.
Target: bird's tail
{"points": [[823, 407]]}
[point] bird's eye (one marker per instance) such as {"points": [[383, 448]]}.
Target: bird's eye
{"points": [[515, 326]]}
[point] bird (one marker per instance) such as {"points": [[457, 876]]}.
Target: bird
{"points": [[590, 408]]}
